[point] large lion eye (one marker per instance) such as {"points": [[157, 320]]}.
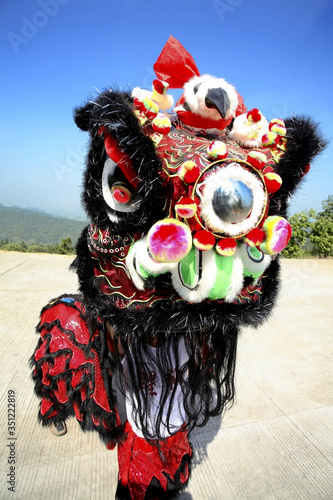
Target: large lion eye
{"points": [[118, 194], [233, 199]]}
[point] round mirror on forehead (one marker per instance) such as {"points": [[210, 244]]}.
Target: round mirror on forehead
{"points": [[233, 199]]}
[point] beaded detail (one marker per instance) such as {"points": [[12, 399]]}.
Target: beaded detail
{"points": [[100, 240]]}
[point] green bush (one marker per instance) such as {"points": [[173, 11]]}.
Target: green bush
{"points": [[36, 248], [13, 247], [65, 247]]}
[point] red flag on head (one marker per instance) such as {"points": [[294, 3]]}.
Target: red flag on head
{"points": [[175, 65]]}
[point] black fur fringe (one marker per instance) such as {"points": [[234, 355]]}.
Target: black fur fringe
{"points": [[304, 143]]}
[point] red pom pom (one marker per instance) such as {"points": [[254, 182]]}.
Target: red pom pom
{"points": [[254, 114], [257, 159], [217, 150], [160, 86], [169, 240], [191, 176], [268, 169], [277, 125], [189, 172], [269, 139], [273, 182], [161, 124], [254, 237], [186, 207], [204, 240], [150, 107], [226, 247], [138, 104]]}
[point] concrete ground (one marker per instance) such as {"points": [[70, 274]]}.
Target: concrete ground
{"points": [[275, 443]]}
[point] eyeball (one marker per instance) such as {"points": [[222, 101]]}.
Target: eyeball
{"points": [[232, 199], [120, 193]]}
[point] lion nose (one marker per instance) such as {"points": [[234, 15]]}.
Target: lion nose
{"points": [[233, 201]]}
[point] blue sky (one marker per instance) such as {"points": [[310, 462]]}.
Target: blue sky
{"points": [[55, 53]]}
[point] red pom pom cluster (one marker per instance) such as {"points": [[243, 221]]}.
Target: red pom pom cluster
{"points": [[150, 109]]}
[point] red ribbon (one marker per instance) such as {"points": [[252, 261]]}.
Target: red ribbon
{"points": [[175, 65]]}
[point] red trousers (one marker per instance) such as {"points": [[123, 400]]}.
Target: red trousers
{"points": [[139, 462]]}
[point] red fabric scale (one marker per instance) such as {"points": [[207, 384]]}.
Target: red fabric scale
{"points": [[45, 407], [61, 393], [67, 364], [100, 395]]}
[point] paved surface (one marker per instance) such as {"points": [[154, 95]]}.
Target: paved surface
{"points": [[275, 443]]}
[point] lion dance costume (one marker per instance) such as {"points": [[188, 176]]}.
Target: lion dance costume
{"points": [[188, 215]]}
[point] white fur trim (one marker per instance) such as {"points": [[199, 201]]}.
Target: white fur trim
{"points": [[196, 101], [139, 253], [219, 178], [249, 264], [248, 135], [205, 284], [113, 217], [237, 279], [139, 93], [136, 278]]}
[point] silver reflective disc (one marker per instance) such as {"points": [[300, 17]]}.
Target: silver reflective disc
{"points": [[233, 201]]}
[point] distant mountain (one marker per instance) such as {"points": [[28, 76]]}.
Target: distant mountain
{"points": [[35, 226], [34, 209]]}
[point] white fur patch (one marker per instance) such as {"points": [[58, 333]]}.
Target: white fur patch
{"points": [[219, 178], [254, 266], [196, 101], [237, 279], [139, 93], [135, 276], [138, 256], [248, 134], [204, 285]]}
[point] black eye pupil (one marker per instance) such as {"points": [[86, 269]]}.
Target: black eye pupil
{"points": [[196, 88]]}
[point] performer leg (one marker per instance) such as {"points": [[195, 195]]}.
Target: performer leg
{"points": [[153, 471]]}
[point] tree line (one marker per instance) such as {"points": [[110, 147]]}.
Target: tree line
{"points": [[312, 234], [65, 247], [31, 227]]}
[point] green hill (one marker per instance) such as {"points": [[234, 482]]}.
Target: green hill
{"points": [[30, 226]]}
